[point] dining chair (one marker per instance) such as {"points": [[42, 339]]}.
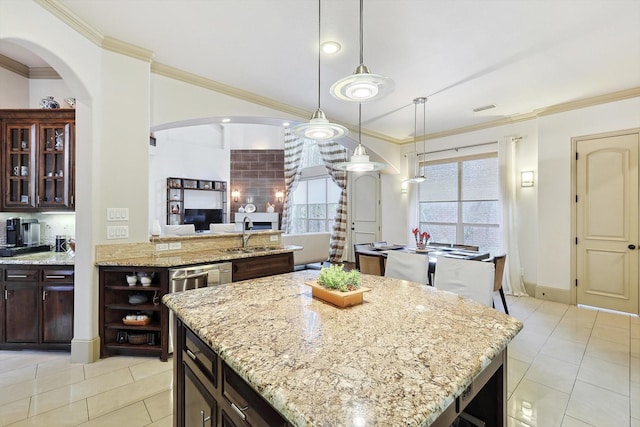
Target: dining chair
{"points": [[467, 278], [357, 247], [499, 262], [407, 266], [466, 247], [440, 244], [371, 263]]}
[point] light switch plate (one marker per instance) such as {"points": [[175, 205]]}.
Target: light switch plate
{"points": [[117, 214], [175, 245], [117, 232], [273, 238], [162, 247]]}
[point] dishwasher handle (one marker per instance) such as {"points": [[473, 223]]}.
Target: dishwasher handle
{"points": [[191, 276]]}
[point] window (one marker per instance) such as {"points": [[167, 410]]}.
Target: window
{"points": [[458, 203], [315, 200]]}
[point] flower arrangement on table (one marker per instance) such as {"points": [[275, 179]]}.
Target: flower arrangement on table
{"points": [[421, 238]]}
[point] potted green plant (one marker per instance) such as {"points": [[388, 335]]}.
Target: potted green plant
{"points": [[339, 287]]}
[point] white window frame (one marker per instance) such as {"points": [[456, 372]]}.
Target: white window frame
{"points": [[460, 225]]}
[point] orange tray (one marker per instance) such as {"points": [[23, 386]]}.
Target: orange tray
{"points": [[137, 322]]}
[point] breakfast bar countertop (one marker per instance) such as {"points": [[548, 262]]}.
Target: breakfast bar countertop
{"points": [[39, 258], [400, 358]]}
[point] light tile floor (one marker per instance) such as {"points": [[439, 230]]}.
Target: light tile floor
{"points": [[569, 367]]}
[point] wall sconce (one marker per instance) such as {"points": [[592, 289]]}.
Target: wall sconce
{"points": [[526, 179], [280, 196], [235, 194]]}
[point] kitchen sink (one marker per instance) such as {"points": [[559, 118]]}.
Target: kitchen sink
{"points": [[250, 249]]}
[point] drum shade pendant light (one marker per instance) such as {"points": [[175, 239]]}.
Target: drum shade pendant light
{"points": [[319, 128], [360, 159], [362, 85], [418, 177]]}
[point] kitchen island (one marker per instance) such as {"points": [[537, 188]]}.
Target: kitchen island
{"points": [[407, 356]]}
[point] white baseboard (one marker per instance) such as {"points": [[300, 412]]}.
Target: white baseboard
{"points": [[551, 294], [85, 351]]}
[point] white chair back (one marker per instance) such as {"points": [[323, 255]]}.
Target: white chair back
{"points": [[407, 266], [467, 278]]}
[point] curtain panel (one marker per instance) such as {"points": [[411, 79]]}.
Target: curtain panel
{"points": [[508, 184], [333, 153], [293, 147]]}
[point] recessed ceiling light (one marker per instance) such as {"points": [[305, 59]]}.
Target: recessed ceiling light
{"points": [[286, 124], [330, 47], [226, 120]]}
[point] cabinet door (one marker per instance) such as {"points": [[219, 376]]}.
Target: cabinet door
{"points": [[54, 165], [21, 313], [19, 147], [199, 406], [57, 314]]}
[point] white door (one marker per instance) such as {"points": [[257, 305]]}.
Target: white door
{"points": [[607, 221], [364, 209]]}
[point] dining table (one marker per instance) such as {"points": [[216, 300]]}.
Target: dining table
{"points": [[430, 252]]}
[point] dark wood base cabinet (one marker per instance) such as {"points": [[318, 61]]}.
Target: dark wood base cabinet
{"points": [[209, 393], [37, 307], [118, 299], [268, 265]]}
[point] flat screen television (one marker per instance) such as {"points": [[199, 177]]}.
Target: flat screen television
{"points": [[201, 218]]}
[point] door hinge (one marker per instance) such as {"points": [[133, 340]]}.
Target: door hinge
{"points": [[576, 155], [576, 283], [576, 240], [576, 198]]}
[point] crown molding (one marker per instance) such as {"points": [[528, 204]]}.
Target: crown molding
{"points": [[128, 49], [43, 73], [71, 19], [14, 66], [545, 111]]}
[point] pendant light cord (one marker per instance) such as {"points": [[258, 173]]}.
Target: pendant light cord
{"points": [[361, 33], [416, 168], [360, 123], [319, 22]]}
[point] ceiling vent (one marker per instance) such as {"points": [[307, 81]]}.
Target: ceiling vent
{"points": [[486, 107]]}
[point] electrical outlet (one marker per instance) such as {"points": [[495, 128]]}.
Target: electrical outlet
{"points": [[162, 247], [175, 245], [273, 238]]}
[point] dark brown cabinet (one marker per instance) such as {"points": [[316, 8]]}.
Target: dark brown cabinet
{"points": [[207, 392], [38, 159], [267, 265], [37, 307], [118, 299]]}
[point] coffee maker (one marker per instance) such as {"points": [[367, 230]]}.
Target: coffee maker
{"points": [[23, 232]]}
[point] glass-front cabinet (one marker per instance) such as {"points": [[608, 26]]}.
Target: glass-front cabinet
{"points": [[39, 157]]}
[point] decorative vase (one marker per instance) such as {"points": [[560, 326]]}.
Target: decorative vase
{"points": [[49, 103]]}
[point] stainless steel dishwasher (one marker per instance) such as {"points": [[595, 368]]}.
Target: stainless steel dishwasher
{"points": [[193, 277]]}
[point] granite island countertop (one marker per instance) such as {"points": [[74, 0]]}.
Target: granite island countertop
{"points": [[400, 358]]}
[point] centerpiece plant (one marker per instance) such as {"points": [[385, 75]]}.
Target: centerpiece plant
{"points": [[336, 278]]}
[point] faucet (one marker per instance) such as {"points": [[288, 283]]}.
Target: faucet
{"points": [[246, 224]]}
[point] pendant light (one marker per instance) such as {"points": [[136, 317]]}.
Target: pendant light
{"points": [[418, 177], [360, 159], [319, 128], [362, 85]]}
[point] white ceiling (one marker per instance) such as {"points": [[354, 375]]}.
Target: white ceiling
{"points": [[520, 55]]}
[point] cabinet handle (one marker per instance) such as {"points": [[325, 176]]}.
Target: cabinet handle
{"points": [[6, 294], [17, 276], [191, 354], [203, 418], [240, 411], [38, 200], [44, 295], [54, 276]]}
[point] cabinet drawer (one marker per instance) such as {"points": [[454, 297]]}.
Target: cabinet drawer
{"points": [[246, 403], [203, 357], [21, 275], [57, 275]]}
